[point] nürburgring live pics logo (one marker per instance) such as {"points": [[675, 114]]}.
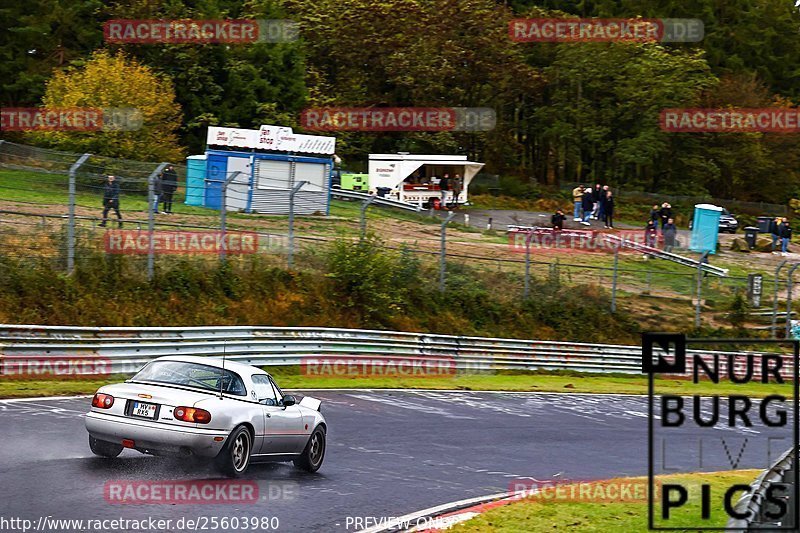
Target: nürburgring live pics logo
{"points": [[721, 431]]}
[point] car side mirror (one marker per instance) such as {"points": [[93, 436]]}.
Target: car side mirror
{"points": [[289, 400]]}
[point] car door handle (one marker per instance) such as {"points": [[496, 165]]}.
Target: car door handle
{"points": [[268, 415]]}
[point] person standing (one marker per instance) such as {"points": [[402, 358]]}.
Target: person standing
{"points": [[665, 213], [158, 185], [775, 231], [577, 200], [651, 234], [655, 214], [587, 204], [607, 208], [669, 231], [558, 220], [444, 186], [786, 236], [597, 192], [601, 214], [458, 186], [169, 185], [111, 200]]}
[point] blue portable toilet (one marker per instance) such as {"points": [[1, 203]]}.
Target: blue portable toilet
{"points": [[216, 172], [195, 180], [705, 228]]}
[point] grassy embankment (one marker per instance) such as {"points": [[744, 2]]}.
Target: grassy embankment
{"points": [[539, 516]]}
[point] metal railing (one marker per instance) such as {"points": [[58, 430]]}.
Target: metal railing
{"points": [[761, 512], [377, 200], [127, 349]]}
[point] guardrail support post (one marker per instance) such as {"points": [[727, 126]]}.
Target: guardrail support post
{"points": [[363, 222], [71, 224], [151, 220], [789, 300], [223, 213], [774, 328], [297, 187], [443, 251]]}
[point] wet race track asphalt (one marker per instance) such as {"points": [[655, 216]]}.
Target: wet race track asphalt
{"points": [[389, 453]]}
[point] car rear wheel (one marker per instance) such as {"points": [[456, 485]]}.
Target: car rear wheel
{"points": [[234, 458], [313, 455], [104, 448]]}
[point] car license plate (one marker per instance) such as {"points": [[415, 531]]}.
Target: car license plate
{"points": [[146, 410]]}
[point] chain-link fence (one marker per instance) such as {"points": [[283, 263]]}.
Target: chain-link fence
{"points": [[51, 210]]}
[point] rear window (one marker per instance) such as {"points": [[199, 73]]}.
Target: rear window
{"points": [[194, 375]]}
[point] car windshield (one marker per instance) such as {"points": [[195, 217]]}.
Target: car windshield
{"points": [[193, 375]]}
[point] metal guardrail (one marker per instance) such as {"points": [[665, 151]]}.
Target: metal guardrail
{"points": [[617, 242], [668, 256], [756, 505], [377, 200], [125, 349]]}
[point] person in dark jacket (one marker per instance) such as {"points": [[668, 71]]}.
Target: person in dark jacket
{"points": [[444, 186], [596, 194], [651, 234], [111, 200], [601, 212], [588, 205], [774, 230], [665, 213], [655, 214], [169, 184], [558, 220], [607, 208], [158, 189], [786, 236], [670, 232]]}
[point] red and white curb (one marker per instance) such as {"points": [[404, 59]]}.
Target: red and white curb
{"points": [[445, 516]]}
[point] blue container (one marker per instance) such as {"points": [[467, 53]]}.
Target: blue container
{"points": [[216, 172], [705, 228], [195, 180]]}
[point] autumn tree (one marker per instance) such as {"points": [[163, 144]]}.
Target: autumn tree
{"points": [[109, 81]]}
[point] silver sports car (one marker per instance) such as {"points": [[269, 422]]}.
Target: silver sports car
{"points": [[206, 407]]}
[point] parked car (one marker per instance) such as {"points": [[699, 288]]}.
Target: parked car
{"points": [[229, 412], [727, 222]]}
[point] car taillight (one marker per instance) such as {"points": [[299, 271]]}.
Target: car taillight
{"points": [[102, 401], [191, 414]]}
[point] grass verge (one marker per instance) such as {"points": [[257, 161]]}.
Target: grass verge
{"points": [[541, 516], [542, 381]]}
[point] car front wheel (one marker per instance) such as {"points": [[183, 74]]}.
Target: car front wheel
{"points": [[234, 458], [104, 448], [312, 456]]}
